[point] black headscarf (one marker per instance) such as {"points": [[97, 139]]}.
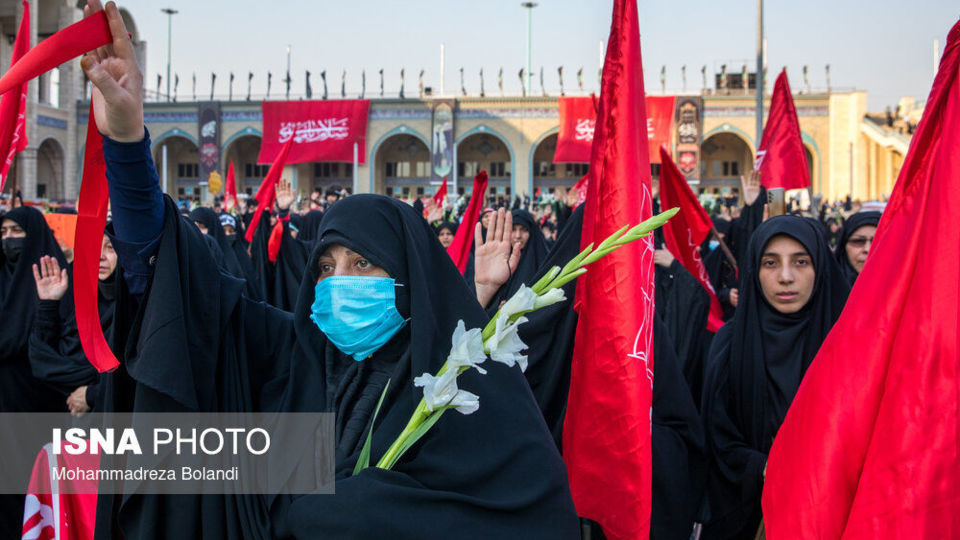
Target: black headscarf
{"points": [[280, 280], [492, 474], [446, 225], [755, 366], [310, 225], [849, 227]]}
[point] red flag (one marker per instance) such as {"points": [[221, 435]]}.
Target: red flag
{"points": [[441, 195], [230, 192], [606, 432], [323, 130], [67, 44], [59, 508], [13, 135], [687, 230], [459, 250], [781, 159], [91, 219], [869, 446], [578, 122], [267, 193]]}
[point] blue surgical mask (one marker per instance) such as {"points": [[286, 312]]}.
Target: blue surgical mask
{"points": [[358, 314], [714, 244]]}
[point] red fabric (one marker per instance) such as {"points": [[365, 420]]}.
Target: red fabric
{"points": [[323, 130], [581, 187], [91, 219], [13, 135], [276, 236], [781, 159], [67, 44], [459, 250], [606, 433], [687, 230], [267, 193], [869, 446], [578, 120], [441, 195], [76, 500], [230, 192]]}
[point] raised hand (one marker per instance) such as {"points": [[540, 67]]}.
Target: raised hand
{"points": [[434, 212], [51, 281], [117, 81], [285, 194], [496, 258], [750, 187]]}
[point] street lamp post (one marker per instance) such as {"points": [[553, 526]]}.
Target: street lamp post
{"points": [[170, 13], [759, 76], [529, 79]]}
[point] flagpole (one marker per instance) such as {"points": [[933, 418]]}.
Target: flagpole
{"points": [[356, 165], [759, 75]]}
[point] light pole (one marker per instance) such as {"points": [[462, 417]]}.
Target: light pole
{"points": [[759, 76], [170, 13], [529, 6]]}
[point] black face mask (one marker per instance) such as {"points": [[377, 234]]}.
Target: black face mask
{"points": [[231, 238], [12, 247]]}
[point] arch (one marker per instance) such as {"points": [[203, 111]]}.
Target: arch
{"points": [[183, 164], [483, 129], [533, 150], [401, 162], [371, 157], [729, 128], [50, 177], [249, 130], [725, 156], [175, 132], [246, 144], [812, 147]]}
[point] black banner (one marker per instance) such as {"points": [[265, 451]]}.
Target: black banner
{"points": [[209, 115], [689, 129]]}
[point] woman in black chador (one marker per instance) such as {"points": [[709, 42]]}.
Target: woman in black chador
{"points": [[189, 341], [791, 293], [856, 239]]}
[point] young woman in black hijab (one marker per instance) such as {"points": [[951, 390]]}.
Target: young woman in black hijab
{"points": [[280, 278], [446, 231], [25, 238], [856, 239], [233, 234], [209, 224], [792, 292], [56, 356]]}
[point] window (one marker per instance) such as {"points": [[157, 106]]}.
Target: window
{"points": [[42, 191], [252, 170], [188, 170], [469, 169], [423, 169], [731, 168], [389, 192], [545, 168], [406, 192], [420, 192], [498, 169], [399, 169], [577, 170]]}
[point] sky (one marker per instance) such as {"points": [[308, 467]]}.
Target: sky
{"points": [[885, 47]]}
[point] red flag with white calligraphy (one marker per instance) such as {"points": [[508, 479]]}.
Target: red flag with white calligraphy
{"points": [[578, 119], [13, 135], [322, 130]]}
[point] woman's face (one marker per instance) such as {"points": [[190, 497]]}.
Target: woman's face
{"points": [[108, 259], [11, 229], [228, 230], [786, 274], [485, 219], [338, 260], [858, 246], [202, 227], [521, 235], [446, 237]]}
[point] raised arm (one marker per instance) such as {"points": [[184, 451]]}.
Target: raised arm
{"points": [[135, 197]]}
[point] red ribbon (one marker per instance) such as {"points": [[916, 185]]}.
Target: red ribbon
{"points": [[459, 250], [67, 44], [276, 236], [91, 220], [267, 193]]}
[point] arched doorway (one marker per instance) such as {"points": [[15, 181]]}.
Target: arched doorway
{"points": [[183, 167], [50, 170], [549, 176], [243, 152], [811, 166], [402, 167], [485, 152], [725, 157]]}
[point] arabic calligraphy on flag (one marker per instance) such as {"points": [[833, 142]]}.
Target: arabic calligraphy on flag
{"points": [[321, 130], [578, 122]]}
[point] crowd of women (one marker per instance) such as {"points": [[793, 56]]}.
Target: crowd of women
{"points": [[258, 330]]}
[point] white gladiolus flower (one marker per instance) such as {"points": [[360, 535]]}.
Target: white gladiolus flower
{"points": [[442, 391], [505, 345], [548, 298], [467, 349], [523, 300]]}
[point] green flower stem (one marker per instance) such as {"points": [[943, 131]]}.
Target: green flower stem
{"points": [[553, 279]]}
